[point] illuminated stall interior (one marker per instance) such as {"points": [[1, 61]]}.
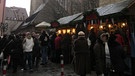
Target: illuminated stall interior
{"points": [[111, 27], [66, 31]]}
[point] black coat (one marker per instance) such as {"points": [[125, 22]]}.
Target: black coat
{"points": [[14, 48], [117, 56], [43, 41], [82, 58], [36, 48]]}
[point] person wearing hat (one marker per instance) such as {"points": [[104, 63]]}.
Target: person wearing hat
{"points": [[81, 50], [109, 56], [99, 53]]}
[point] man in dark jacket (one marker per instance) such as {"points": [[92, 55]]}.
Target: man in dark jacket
{"points": [[16, 53], [36, 50], [92, 37], [44, 39], [117, 55]]}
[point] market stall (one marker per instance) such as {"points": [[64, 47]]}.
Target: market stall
{"points": [[119, 16], [66, 25]]}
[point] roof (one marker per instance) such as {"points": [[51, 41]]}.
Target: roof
{"points": [[15, 13], [33, 16], [66, 20], [113, 8], [43, 24], [28, 20], [14, 16], [47, 12], [52, 11]]}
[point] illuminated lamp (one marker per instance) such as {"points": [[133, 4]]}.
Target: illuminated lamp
{"points": [[68, 30], [64, 31], [123, 24], [73, 30], [109, 26], [101, 27], [91, 27], [59, 31]]}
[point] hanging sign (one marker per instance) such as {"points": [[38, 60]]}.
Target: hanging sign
{"points": [[91, 17], [55, 24]]}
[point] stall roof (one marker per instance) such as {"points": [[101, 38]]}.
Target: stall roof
{"points": [[48, 12], [66, 20], [79, 18], [113, 8], [43, 24]]}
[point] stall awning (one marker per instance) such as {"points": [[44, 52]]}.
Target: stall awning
{"points": [[68, 19], [79, 18], [113, 8], [43, 24]]}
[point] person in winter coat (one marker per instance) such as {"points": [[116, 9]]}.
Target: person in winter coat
{"points": [[28, 44], [117, 55], [82, 58], [66, 48], [16, 53], [58, 50], [119, 38], [52, 43], [44, 40], [99, 52], [92, 37], [3, 44], [109, 56], [36, 51]]}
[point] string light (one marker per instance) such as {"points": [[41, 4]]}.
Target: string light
{"points": [[109, 26], [68, 30], [73, 30], [64, 31], [123, 24], [59, 31], [101, 27], [91, 27]]}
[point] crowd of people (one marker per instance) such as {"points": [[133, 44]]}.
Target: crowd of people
{"points": [[29, 49], [102, 53], [105, 55]]}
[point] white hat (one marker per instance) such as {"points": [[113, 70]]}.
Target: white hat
{"points": [[81, 33]]}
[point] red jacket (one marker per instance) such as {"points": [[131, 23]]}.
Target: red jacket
{"points": [[57, 42], [120, 39]]}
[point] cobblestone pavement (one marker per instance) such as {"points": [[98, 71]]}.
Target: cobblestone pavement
{"points": [[51, 69]]}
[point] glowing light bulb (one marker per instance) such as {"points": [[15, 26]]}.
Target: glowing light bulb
{"points": [[109, 26], [64, 31], [68, 30], [59, 31], [123, 24], [73, 30], [91, 27], [101, 27]]}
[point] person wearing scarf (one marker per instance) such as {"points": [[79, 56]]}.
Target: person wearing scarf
{"points": [[102, 54], [109, 56]]}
